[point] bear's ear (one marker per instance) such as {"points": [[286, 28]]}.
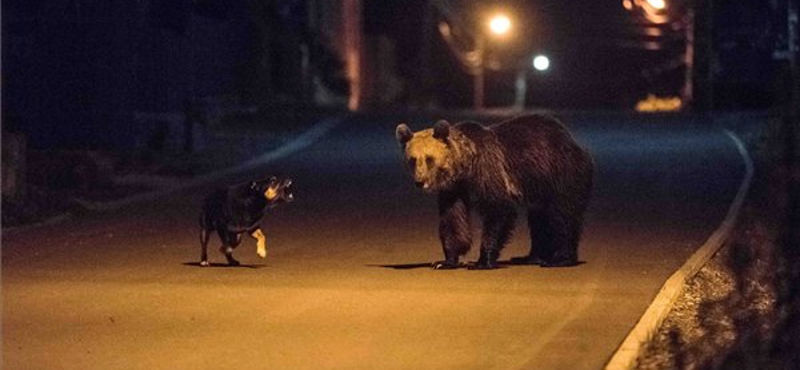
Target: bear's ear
{"points": [[441, 130], [403, 133]]}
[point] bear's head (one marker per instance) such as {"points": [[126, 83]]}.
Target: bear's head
{"points": [[429, 155]]}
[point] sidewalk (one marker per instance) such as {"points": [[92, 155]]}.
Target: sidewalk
{"points": [[68, 182]]}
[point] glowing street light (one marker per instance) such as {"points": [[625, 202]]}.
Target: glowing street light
{"points": [[541, 63], [500, 24], [657, 4]]}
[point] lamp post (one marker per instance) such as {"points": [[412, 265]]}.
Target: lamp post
{"points": [[478, 76], [498, 25]]}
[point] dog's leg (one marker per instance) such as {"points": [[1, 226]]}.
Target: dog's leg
{"points": [[261, 242], [229, 241], [204, 235], [228, 250]]}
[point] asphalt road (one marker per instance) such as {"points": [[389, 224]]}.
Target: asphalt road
{"points": [[345, 284]]}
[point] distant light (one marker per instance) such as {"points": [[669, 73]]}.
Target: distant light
{"points": [[654, 103], [627, 4], [657, 4], [500, 24], [541, 63]]}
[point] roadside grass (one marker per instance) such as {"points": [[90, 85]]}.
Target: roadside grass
{"points": [[742, 310]]}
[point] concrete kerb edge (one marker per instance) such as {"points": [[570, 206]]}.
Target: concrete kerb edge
{"points": [[298, 143], [628, 352]]}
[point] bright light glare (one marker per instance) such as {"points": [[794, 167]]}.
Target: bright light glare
{"points": [[627, 4], [541, 63], [657, 4], [500, 24]]}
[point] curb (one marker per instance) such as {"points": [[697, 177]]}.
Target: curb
{"points": [[628, 352]]}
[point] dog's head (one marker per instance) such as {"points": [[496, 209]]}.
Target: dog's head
{"points": [[274, 190]]}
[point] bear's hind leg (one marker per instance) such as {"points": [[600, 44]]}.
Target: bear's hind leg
{"points": [[540, 239], [564, 233], [498, 223], [454, 229]]}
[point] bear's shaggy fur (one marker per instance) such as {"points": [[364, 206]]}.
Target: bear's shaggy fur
{"points": [[532, 161]]}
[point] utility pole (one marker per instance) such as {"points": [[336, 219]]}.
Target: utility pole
{"points": [[794, 45], [793, 114], [353, 44], [478, 78], [687, 93], [426, 60], [520, 88]]}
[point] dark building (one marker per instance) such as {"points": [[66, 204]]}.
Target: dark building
{"points": [[97, 73]]}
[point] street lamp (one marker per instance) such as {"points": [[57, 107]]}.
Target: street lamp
{"points": [[657, 4], [499, 25], [541, 63]]}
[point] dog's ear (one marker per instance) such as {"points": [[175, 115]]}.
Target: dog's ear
{"points": [[263, 183]]}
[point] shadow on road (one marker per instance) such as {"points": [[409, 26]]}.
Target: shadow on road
{"points": [[244, 265], [429, 265], [406, 266]]}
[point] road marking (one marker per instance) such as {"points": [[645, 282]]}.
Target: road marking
{"points": [[628, 352]]}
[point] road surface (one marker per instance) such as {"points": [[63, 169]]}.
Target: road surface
{"points": [[346, 282]]}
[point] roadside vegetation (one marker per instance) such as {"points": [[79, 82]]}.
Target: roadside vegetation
{"points": [[742, 310]]}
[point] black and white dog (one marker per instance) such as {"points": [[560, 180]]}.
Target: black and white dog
{"points": [[237, 209]]}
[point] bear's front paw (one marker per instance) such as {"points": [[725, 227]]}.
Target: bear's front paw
{"points": [[445, 265], [233, 262]]}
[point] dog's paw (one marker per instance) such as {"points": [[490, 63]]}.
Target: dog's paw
{"points": [[262, 251], [204, 264]]}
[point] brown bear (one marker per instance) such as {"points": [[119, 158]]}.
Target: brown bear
{"points": [[531, 161]]}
